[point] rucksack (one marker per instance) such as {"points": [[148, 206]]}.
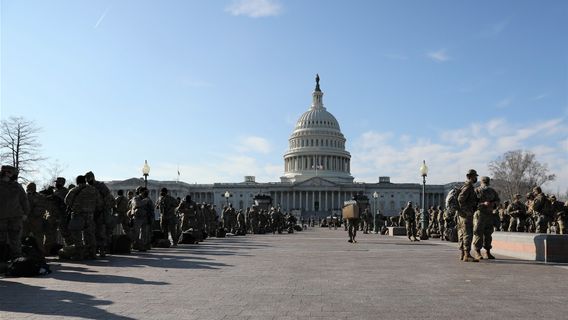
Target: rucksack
{"points": [[452, 202], [23, 267]]}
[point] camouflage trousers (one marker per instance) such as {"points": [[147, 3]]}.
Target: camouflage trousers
{"points": [[11, 234], [516, 225], [541, 223], [410, 228], [82, 232], [561, 225], [168, 225], [140, 233], [352, 226], [465, 232], [482, 230]]}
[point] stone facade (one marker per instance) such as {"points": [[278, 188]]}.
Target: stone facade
{"points": [[317, 176]]}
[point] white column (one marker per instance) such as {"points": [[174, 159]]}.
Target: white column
{"points": [[326, 204], [332, 202], [301, 206], [294, 200], [319, 200]]}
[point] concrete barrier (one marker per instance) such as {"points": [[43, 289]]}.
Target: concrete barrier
{"points": [[531, 246], [397, 231]]}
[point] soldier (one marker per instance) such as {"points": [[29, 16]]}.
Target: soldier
{"points": [[504, 218], [104, 222], [57, 217], [168, 220], [558, 210], [254, 219], [241, 223], [541, 210], [441, 222], [483, 218], [562, 218], [121, 211], [141, 209], [517, 212], [468, 204], [186, 212], [34, 224], [409, 216], [83, 200], [14, 207], [367, 221]]}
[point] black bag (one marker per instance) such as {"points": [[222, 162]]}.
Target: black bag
{"points": [[190, 237], [120, 244], [4, 252], [163, 243], [297, 227], [23, 267], [158, 235], [221, 233]]}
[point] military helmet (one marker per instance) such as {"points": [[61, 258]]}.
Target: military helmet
{"points": [[485, 179], [9, 170], [472, 172], [60, 180], [552, 197]]}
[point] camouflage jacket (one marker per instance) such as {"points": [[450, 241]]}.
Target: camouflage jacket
{"points": [[38, 205], [467, 198], [167, 206], [83, 199], [517, 209], [121, 205], [13, 200], [488, 198], [409, 214]]}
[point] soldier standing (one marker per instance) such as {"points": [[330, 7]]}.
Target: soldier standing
{"points": [[34, 224], [540, 210], [559, 214], [168, 220], [517, 212], [14, 207], [104, 222], [441, 226], [57, 217], [483, 218], [468, 204], [121, 211], [139, 212], [409, 216], [83, 200]]}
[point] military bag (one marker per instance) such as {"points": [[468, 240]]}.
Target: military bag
{"points": [[120, 244], [23, 267], [452, 202], [221, 233]]}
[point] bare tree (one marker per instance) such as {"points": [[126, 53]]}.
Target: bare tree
{"points": [[53, 170], [19, 145], [517, 172]]}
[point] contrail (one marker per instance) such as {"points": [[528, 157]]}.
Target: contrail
{"points": [[102, 17]]}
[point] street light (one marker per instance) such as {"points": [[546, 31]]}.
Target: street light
{"points": [[375, 196], [146, 172], [227, 196], [423, 173]]}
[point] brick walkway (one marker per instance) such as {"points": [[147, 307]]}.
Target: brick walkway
{"points": [[314, 274]]}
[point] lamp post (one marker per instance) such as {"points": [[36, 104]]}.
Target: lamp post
{"points": [[146, 172], [375, 197], [423, 218], [227, 196]]}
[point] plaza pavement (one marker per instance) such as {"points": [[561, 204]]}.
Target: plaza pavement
{"points": [[315, 274]]}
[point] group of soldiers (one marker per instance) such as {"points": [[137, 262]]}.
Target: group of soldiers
{"points": [[82, 220]]}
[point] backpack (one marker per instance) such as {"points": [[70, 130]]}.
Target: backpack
{"points": [[452, 202], [547, 207]]}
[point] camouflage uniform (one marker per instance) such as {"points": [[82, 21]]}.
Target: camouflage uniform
{"points": [[517, 212], [468, 204], [83, 200], [142, 211], [409, 216], [121, 212], [34, 224], [483, 218], [13, 207], [253, 216], [186, 211], [168, 220], [104, 219], [57, 217], [539, 210]]}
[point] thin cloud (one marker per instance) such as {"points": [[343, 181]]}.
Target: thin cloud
{"points": [[395, 56], [541, 96], [495, 29], [254, 8], [504, 103], [254, 144], [101, 18], [439, 55]]}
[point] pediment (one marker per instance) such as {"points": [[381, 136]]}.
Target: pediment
{"points": [[316, 182]]}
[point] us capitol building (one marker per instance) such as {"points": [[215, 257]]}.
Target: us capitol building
{"points": [[317, 176]]}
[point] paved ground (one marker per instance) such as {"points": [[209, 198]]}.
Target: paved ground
{"points": [[309, 275]]}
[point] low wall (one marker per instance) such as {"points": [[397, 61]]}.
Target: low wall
{"points": [[397, 231], [531, 246]]}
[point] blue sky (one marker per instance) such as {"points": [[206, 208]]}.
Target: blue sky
{"points": [[215, 87]]}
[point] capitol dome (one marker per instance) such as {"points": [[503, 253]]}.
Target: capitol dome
{"points": [[317, 146]]}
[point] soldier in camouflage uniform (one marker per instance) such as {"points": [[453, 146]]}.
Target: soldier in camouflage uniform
{"points": [[409, 216], [34, 224], [468, 204], [14, 207], [504, 217], [168, 221], [441, 222], [57, 217], [540, 210], [121, 211], [104, 222], [483, 218], [187, 213], [254, 219], [558, 210], [83, 200], [141, 211], [517, 212], [368, 221], [241, 223]]}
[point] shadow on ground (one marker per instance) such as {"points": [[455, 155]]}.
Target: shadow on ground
{"points": [[23, 298]]}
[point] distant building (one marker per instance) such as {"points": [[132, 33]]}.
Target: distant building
{"points": [[317, 176]]}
